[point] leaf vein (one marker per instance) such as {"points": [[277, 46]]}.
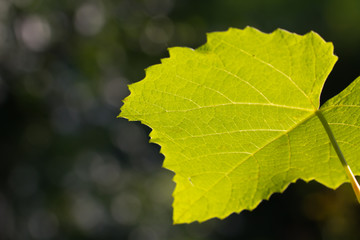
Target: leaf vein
{"points": [[271, 66], [230, 132], [247, 158]]}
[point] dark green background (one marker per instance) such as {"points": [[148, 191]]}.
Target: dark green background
{"points": [[70, 170]]}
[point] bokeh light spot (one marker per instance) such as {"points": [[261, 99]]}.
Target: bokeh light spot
{"points": [[89, 18], [35, 32], [43, 225], [126, 208]]}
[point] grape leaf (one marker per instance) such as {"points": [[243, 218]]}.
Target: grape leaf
{"points": [[238, 119]]}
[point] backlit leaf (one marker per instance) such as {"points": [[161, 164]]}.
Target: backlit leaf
{"points": [[236, 119]]}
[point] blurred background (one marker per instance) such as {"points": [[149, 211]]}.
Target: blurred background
{"points": [[69, 169]]}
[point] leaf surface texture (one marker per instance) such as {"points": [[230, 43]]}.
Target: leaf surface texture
{"points": [[236, 119]]}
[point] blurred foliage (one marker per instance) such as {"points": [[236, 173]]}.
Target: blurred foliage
{"points": [[70, 170]]}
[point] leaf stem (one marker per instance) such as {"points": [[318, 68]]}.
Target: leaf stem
{"points": [[353, 181]]}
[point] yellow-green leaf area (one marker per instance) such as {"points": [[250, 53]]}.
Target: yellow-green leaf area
{"points": [[236, 119]]}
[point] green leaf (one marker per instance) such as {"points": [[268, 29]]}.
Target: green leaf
{"points": [[237, 119]]}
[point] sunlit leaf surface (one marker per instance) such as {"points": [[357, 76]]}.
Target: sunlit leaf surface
{"points": [[236, 119]]}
